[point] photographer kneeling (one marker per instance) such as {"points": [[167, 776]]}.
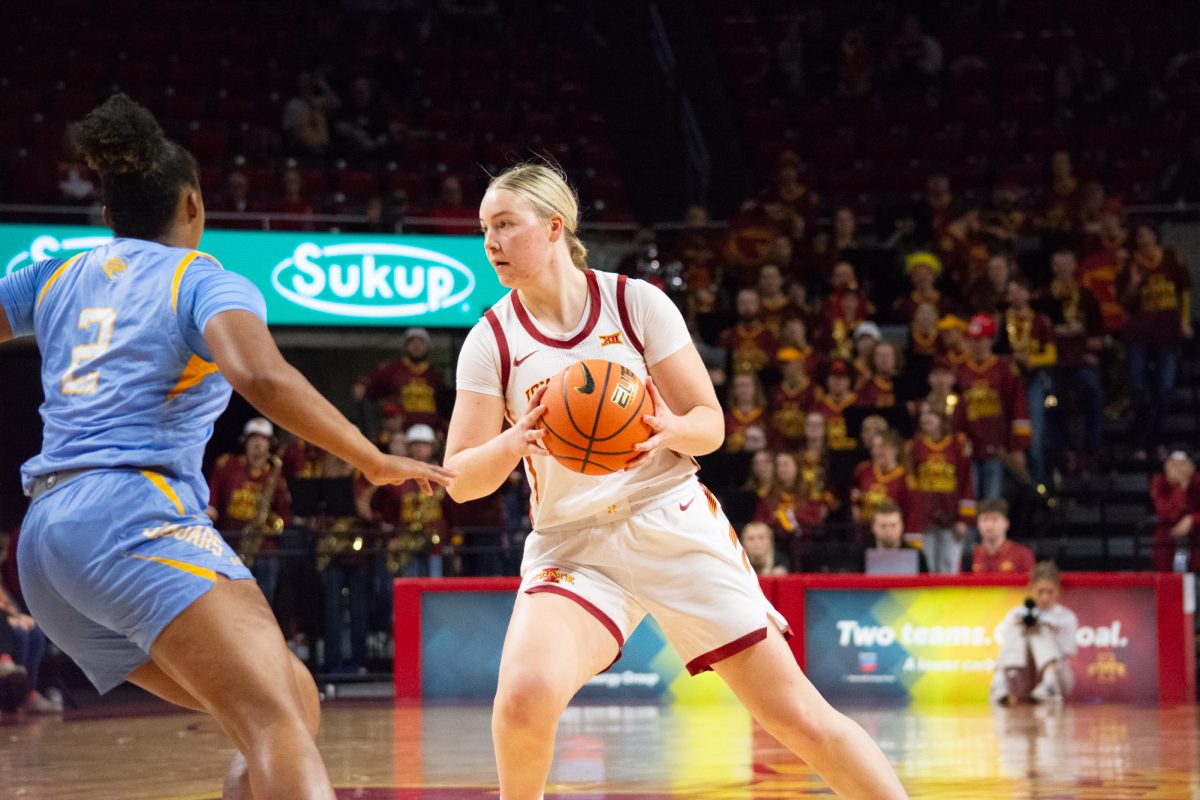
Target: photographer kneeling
{"points": [[1037, 642]]}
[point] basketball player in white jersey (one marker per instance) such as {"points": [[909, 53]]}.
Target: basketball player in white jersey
{"points": [[605, 550]]}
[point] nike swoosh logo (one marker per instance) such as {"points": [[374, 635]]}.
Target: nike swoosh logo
{"points": [[687, 505], [589, 383], [519, 361]]}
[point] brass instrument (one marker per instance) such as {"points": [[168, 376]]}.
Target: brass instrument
{"points": [[418, 534], [342, 535], [265, 522]]}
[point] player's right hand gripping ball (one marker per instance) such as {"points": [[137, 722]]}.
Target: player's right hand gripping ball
{"points": [[593, 416]]}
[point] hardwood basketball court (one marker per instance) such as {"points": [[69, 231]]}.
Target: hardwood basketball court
{"points": [[384, 751]]}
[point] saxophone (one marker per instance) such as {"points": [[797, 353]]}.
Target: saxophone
{"points": [[264, 522]]}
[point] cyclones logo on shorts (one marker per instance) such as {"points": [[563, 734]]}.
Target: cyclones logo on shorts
{"points": [[553, 575]]}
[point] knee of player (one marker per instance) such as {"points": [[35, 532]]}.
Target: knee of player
{"points": [[810, 729], [310, 696], [527, 700]]}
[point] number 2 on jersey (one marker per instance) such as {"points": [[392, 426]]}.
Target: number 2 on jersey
{"points": [[90, 382]]}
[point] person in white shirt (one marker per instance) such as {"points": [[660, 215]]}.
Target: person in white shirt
{"points": [[1037, 640], [606, 550]]}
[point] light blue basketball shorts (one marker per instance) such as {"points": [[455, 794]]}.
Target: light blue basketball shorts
{"points": [[109, 558]]}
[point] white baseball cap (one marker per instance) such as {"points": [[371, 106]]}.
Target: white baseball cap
{"points": [[420, 433], [418, 333], [259, 426], [868, 328]]}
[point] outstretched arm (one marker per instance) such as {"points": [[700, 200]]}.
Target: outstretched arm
{"points": [[247, 356]]}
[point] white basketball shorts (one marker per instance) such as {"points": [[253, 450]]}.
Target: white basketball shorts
{"points": [[674, 556]]}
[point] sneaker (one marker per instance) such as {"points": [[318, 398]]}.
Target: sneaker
{"points": [[38, 703], [1045, 692], [12, 675], [13, 679]]}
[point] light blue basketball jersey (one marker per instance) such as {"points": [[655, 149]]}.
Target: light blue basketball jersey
{"points": [[128, 379]]}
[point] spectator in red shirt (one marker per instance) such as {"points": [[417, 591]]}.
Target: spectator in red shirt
{"points": [[304, 460], [746, 406], [772, 300], [991, 409], [750, 344], [1156, 290], [794, 335], [965, 247], [789, 191], [941, 395], [248, 494], [882, 478], [417, 522], [866, 336], [239, 481], [814, 468], [791, 399], [762, 473], [1106, 255], [878, 389], [1030, 337], [923, 332], [996, 552], [942, 489], [833, 403], [920, 354], [410, 382], [795, 521], [952, 339], [923, 269], [1176, 496]]}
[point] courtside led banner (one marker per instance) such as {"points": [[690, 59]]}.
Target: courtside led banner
{"points": [[322, 279], [940, 644]]}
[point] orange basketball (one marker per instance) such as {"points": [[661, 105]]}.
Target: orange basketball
{"points": [[594, 415]]}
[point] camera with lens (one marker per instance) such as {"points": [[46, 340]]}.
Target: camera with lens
{"points": [[1032, 615]]}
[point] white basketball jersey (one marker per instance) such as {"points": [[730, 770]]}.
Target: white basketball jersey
{"points": [[509, 354]]}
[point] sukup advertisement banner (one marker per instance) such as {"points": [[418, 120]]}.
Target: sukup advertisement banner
{"points": [[319, 279]]}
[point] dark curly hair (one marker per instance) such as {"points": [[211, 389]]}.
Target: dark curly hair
{"points": [[141, 170]]}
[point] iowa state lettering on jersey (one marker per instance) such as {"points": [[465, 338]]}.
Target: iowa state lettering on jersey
{"points": [[529, 392]]}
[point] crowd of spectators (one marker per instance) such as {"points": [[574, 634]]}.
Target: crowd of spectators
{"points": [[973, 354]]}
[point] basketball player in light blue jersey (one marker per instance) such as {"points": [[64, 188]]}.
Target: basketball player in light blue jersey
{"points": [[141, 340]]}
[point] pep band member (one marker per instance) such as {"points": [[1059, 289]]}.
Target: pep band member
{"points": [[141, 340], [607, 550]]}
